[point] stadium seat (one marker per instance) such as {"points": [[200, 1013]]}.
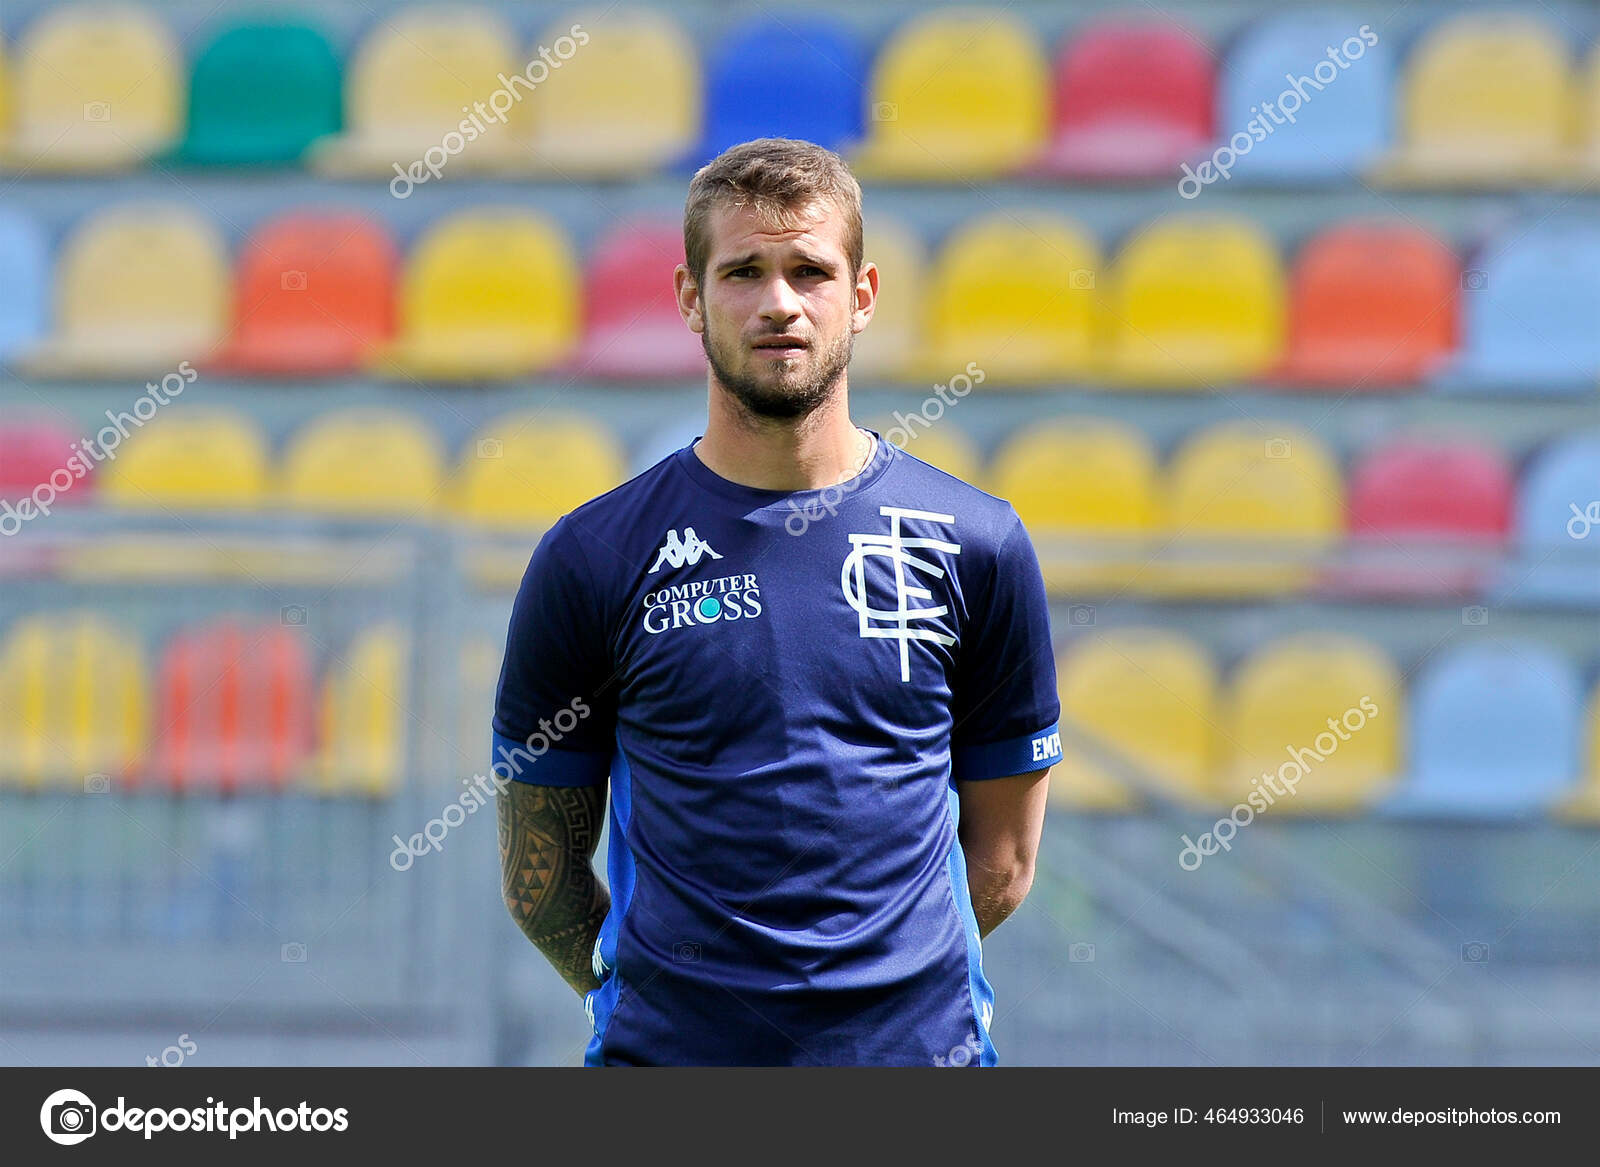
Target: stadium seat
{"points": [[528, 469], [364, 463], [1328, 707], [365, 713], [1487, 100], [1494, 734], [261, 94], [956, 94], [314, 295], [1251, 507], [800, 76], [1193, 301], [1341, 123], [1138, 710], [1087, 492], [1014, 294], [138, 290], [94, 88], [1583, 805], [34, 451], [188, 460], [485, 295], [891, 347], [940, 444], [627, 102], [1372, 306], [1557, 534], [1587, 159], [1531, 312], [1133, 99], [235, 708], [405, 92], [1422, 514], [632, 329], [24, 285], [478, 670]]}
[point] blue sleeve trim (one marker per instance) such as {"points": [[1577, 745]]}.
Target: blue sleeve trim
{"points": [[1021, 755], [551, 767]]}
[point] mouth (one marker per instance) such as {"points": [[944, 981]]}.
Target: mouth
{"points": [[780, 347]]}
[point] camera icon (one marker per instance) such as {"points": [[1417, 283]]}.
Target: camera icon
{"points": [[293, 615], [293, 953], [97, 111], [1081, 279], [885, 111], [1081, 615], [71, 1120], [294, 281], [686, 952], [1475, 616], [97, 784], [491, 448], [1475, 952], [1278, 449], [1474, 280], [1081, 953]]}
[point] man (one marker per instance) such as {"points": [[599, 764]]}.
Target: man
{"points": [[794, 716]]}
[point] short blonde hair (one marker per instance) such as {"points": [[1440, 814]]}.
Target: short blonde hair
{"points": [[778, 178]]}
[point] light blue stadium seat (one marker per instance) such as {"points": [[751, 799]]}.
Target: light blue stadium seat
{"points": [[1494, 734], [1338, 131], [799, 77], [1530, 312], [24, 284], [1557, 528]]}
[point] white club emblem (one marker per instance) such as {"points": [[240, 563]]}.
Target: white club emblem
{"points": [[897, 623]]}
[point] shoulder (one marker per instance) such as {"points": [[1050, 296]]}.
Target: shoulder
{"points": [[983, 522], [605, 528]]}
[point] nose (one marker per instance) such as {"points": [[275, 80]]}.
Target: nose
{"points": [[780, 306]]}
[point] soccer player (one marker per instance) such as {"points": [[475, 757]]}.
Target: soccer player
{"points": [[816, 671]]}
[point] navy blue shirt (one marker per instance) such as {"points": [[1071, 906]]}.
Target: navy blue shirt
{"points": [[783, 688]]}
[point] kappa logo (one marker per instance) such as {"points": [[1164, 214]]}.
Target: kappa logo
{"points": [[896, 623], [690, 549]]}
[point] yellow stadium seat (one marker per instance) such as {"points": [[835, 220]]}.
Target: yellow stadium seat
{"points": [[1314, 723], [956, 94], [365, 462], [73, 703], [1487, 100], [1087, 492], [1248, 511], [190, 460], [139, 289], [627, 101], [1144, 699], [1584, 805], [95, 88], [5, 99], [939, 444], [528, 469], [486, 295], [1588, 150], [1194, 301], [410, 94], [891, 347], [365, 712], [1015, 294], [479, 677]]}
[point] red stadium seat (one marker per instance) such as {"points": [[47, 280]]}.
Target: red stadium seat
{"points": [[1419, 509], [236, 708], [31, 452], [631, 324], [1132, 100], [314, 293], [1372, 305]]}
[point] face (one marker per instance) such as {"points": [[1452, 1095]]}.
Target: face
{"points": [[779, 311]]}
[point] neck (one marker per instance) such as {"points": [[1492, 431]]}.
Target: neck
{"points": [[807, 453]]}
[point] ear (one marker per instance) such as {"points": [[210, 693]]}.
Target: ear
{"points": [[866, 297], [687, 293]]}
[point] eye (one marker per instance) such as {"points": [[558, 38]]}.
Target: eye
{"points": [[810, 270], [741, 272]]}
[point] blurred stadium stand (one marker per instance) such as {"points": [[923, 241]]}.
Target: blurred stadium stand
{"points": [[1329, 429]]}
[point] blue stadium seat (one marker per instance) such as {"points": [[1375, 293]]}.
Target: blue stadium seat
{"points": [[24, 284], [1530, 309], [1557, 528], [793, 78], [1338, 131], [1494, 734]]}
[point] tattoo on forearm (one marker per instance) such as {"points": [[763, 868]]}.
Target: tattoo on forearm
{"points": [[548, 835]]}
